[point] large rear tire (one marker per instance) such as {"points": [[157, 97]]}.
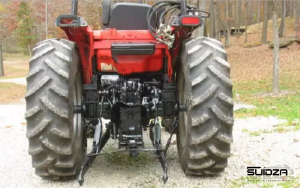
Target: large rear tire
{"points": [[205, 129], [56, 135]]}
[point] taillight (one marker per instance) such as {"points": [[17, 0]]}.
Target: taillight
{"points": [[193, 21]]}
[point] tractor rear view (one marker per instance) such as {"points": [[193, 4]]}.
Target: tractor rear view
{"points": [[141, 66]]}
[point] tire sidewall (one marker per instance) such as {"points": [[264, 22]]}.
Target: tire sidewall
{"points": [[76, 70]]}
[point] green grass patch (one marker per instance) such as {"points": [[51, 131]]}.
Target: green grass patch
{"points": [[286, 107], [241, 182], [255, 133], [293, 183]]}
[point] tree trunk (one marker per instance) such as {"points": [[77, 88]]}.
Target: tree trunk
{"points": [[199, 32], [276, 54], [46, 18], [258, 16], [246, 21], [289, 8], [231, 16], [212, 20], [29, 42], [297, 15], [1, 61], [217, 25], [250, 9], [258, 12], [295, 11], [205, 29], [235, 18], [29, 49], [230, 9], [227, 34], [239, 17], [282, 24], [265, 23]]}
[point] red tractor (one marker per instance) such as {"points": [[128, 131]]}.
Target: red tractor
{"points": [[141, 66]]}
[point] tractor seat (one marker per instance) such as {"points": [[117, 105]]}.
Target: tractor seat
{"points": [[126, 16]]}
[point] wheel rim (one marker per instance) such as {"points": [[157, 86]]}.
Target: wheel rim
{"points": [[182, 115], [77, 119]]}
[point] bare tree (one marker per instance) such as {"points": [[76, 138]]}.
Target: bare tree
{"points": [[230, 4], [265, 23], [276, 50], [228, 28], [2, 33], [239, 17], [296, 12], [246, 21], [235, 18], [46, 18], [258, 15], [201, 6], [258, 12], [297, 20], [212, 20], [283, 14], [200, 31], [223, 20], [217, 26], [1, 60], [290, 8], [249, 10]]}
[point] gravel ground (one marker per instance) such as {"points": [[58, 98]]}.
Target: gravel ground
{"points": [[267, 149]]}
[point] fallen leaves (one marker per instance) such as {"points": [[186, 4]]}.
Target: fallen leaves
{"points": [[10, 92]]}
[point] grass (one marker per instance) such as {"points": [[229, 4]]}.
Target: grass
{"points": [[254, 91], [10, 92], [255, 133], [243, 181], [291, 184], [286, 107]]}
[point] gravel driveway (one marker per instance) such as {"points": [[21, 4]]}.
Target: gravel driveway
{"points": [[20, 81], [267, 149]]}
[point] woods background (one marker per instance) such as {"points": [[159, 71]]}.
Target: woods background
{"points": [[23, 23]]}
